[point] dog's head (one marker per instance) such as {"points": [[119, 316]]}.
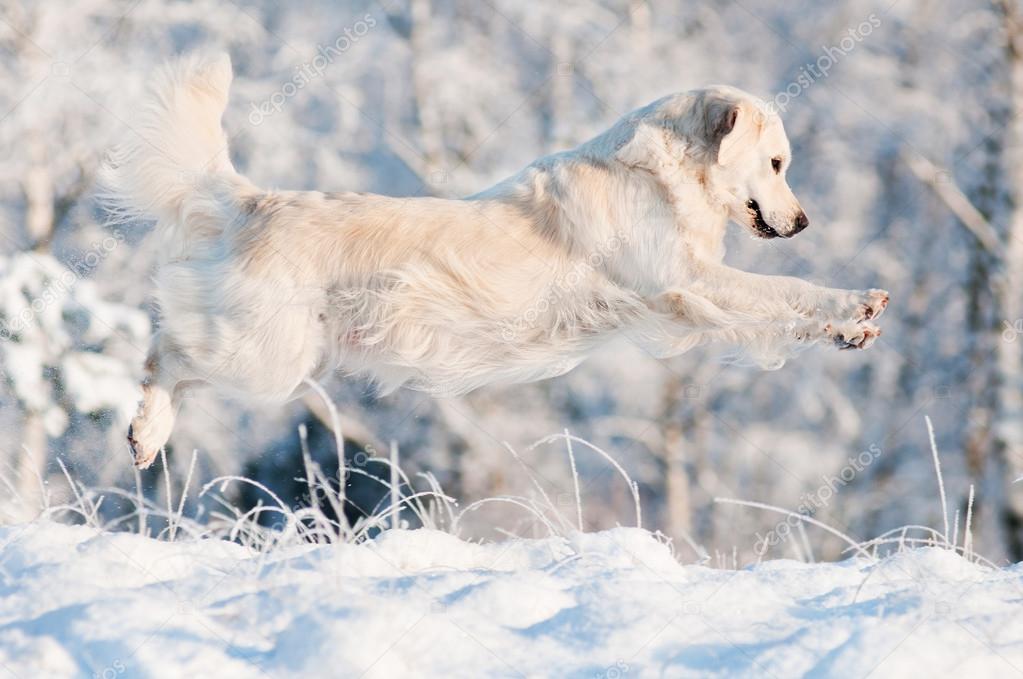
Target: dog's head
{"points": [[730, 141]]}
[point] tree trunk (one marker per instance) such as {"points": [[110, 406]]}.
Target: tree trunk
{"points": [[639, 23], [32, 457], [1008, 424], [430, 135], [677, 496], [37, 186], [559, 105]]}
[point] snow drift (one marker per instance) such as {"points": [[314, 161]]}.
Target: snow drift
{"points": [[78, 602]]}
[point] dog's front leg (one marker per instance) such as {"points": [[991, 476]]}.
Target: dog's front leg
{"points": [[778, 295], [769, 318], [723, 303], [771, 329]]}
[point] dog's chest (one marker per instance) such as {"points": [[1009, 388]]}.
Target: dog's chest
{"points": [[707, 241]]}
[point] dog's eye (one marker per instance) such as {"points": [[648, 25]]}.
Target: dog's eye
{"points": [[776, 164]]}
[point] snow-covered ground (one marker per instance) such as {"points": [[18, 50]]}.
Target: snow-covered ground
{"points": [[75, 602]]}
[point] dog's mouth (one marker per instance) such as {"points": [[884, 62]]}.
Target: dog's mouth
{"points": [[760, 226]]}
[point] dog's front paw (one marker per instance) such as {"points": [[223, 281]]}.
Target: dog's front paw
{"points": [[872, 304], [856, 305], [852, 335]]}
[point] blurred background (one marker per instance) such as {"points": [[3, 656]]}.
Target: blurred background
{"points": [[905, 121]]}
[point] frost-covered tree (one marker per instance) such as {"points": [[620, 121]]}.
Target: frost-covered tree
{"points": [[65, 352]]}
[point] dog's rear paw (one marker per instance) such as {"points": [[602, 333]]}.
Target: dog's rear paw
{"points": [[853, 335], [143, 457], [148, 433]]}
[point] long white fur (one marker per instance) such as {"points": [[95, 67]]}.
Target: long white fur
{"points": [[621, 236]]}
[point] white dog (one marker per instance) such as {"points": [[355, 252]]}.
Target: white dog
{"points": [[623, 235]]}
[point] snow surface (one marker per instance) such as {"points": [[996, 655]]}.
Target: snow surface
{"points": [[75, 602]]}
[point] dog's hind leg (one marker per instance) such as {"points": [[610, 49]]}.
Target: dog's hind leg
{"points": [[167, 379]]}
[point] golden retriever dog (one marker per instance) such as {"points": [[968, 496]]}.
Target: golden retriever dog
{"points": [[260, 291]]}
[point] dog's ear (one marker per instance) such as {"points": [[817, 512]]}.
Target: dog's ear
{"points": [[731, 126], [643, 149]]}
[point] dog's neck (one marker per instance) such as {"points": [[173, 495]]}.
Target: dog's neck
{"points": [[700, 210]]}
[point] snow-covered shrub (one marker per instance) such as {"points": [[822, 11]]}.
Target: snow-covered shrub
{"points": [[65, 352]]}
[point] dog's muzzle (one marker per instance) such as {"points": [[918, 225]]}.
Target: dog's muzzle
{"points": [[763, 229]]}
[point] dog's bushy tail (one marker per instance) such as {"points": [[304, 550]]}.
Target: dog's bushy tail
{"points": [[174, 159]]}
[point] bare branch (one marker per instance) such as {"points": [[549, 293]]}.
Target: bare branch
{"points": [[940, 181]]}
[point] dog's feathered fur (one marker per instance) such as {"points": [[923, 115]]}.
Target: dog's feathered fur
{"points": [[259, 289]]}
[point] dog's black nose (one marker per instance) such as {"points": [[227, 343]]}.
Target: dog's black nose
{"points": [[801, 223]]}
